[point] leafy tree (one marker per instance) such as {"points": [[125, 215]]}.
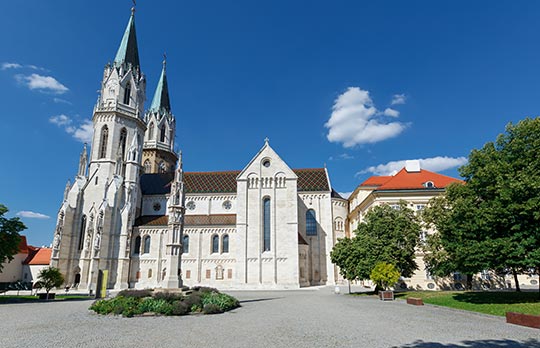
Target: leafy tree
{"points": [[386, 235], [493, 221], [9, 236], [384, 274], [49, 278]]}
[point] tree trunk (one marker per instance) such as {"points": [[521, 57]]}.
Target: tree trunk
{"points": [[349, 286], [518, 289]]}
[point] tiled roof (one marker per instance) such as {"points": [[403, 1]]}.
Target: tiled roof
{"points": [[23, 246], [376, 181], [190, 220], [41, 256], [225, 182], [405, 180]]}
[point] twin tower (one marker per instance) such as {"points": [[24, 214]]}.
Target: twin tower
{"points": [[93, 231]]}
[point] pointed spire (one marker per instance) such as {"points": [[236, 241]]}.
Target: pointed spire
{"points": [[179, 168], [128, 51], [161, 100], [66, 189]]}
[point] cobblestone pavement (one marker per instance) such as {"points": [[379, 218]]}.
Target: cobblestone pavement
{"points": [[302, 318]]}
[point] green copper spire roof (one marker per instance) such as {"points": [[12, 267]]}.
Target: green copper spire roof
{"points": [[128, 51], [161, 97]]}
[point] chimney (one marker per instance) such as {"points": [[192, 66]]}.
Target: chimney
{"points": [[412, 166]]}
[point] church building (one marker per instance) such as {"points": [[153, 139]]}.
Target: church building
{"points": [[133, 212]]}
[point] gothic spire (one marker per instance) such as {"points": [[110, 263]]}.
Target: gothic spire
{"points": [[128, 51], [161, 100]]}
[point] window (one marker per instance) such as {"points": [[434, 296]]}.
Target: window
{"points": [[185, 244], [311, 223], [81, 232], [188, 274], [137, 247], [423, 237], [103, 142], [146, 245], [149, 273], [225, 244], [215, 243], [147, 166], [123, 137], [420, 206], [96, 182], [219, 272], [429, 184], [127, 93], [151, 131], [266, 224], [162, 134], [208, 274], [162, 167]]}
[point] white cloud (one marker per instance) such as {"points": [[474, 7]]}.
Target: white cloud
{"points": [[40, 82], [398, 99], [32, 215], [83, 132], [355, 120], [343, 156], [435, 164], [391, 112], [345, 195], [6, 66], [61, 101]]}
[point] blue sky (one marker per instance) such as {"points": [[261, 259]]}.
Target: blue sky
{"points": [[354, 84]]}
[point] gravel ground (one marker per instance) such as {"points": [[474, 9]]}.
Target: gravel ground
{"points": [[312, 318]]}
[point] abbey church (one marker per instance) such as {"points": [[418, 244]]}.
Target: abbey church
{"points": [[133, 212]]}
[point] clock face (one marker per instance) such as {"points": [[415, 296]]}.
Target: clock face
{"points": [[227, 205], [157, 206], [190, 205]]}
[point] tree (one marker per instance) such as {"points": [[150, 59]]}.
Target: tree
{"points": [[493, 221], [384, 274], [386, 235], [49, 278], [9, 236]]}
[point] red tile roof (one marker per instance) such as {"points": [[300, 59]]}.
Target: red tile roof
{"points": [[39, 256], [405, 180], [313, 179], [23, 246]]}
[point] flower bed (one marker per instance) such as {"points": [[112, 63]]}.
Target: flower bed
{"points": [[131, 303]]}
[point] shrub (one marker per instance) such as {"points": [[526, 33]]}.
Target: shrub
{"points": [[168, 296], [384, 274], [158, 306], [223, 301], [204, 289], [180, 308], [212, 309], [119, 305], [193, 300], [135, 293]]}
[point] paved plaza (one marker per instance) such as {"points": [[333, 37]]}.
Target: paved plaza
{"points": [[302, 318]]}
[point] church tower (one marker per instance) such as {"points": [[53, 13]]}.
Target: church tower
{"points": [[96, 217], [158, 150]]}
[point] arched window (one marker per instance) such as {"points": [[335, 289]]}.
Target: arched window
{"points": [[266, 224], [215, 243], [123, 137], [311, 223], [146, 245], [103, 142], [127, 93], [81, 232], [149, 273], [151, 131], [147, 166], [137, 247], [185, 244], [162, 134], [225, 243]]}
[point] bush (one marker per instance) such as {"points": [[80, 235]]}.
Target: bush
{"points": [[158, 306], [179, 308], [135, 293], [168, 296], [127, 306], [223, 301], [384, 274], [212, 309], [194, 300], [204, 289]]}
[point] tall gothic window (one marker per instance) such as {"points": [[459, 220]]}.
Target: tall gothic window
{"points": [[215, 243], [185, 244], [127, 93], [151, 131], [146, 245], [123, 138], [81, 232], [311, 223], [225, 243], [137, 247], [103, 142], [266, 224], [147, 166], [162, 134]]}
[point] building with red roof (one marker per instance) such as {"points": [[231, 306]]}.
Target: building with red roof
{"points": [[26, 264]]}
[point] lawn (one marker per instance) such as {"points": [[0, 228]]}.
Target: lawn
{"points": [[495, 303], [31, 298]]}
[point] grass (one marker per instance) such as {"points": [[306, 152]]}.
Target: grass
{"points": [[32, 298], [488, 302]]}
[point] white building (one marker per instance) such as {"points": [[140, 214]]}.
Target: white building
{"points": [[130, 213]]}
